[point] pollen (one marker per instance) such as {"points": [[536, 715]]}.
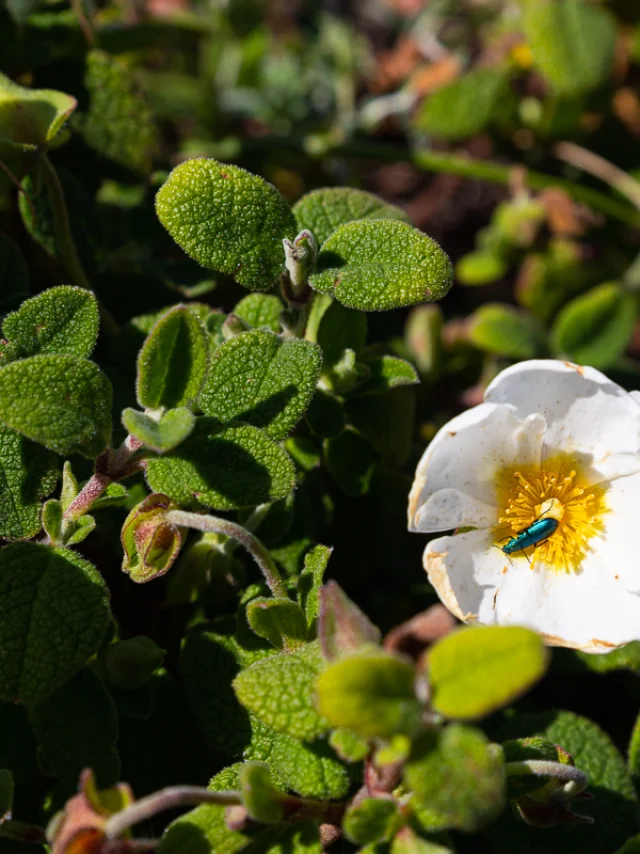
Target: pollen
{"points": [[558, 490]]}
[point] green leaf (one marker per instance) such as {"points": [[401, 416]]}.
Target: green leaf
{"points": [[501, 663], [60, 320], [279, 692], [77, 728], [342, 627], [632, 846], [351, 462], [626, 657], [349, 746], [310, 582], [423, 335], [595, 328], [223, 468], [634, 753], [371, 820], [14, 273], [573, 43], [209, 662], [457, 779], [371, 693], [52, 517], [262, 379], [173, 361], [407, 841], [524, 782], [506, 331], [261, 311], [387, 372], [28, 472], [323, 210], [375, 265], [614, 807], [30, 119], [228, 220], [81, 529], [61, 402], [119, 123], [261, 799], [386, 421], [335, 328], [129, 664], [480, 268], [311, 770], [54, 610], [466, 106], [163, 434], [280, 621]]}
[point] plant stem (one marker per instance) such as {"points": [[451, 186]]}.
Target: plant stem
{"points": [[603, 169], [215, 525], [165, 799]]}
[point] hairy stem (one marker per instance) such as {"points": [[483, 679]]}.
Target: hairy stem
{"points": [[215, 525], [165, 799]]}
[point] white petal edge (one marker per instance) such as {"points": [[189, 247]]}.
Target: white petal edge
{"points": [[451, 508], [468, 451], [584, 410]]}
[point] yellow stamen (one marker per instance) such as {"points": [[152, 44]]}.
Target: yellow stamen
{"points": [[556, 490]]}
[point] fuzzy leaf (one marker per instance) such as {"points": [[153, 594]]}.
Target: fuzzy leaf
{"points": [[223, 468], [30, 118], [371, 820], [262, 379], [119, 123], [260, 797], [457, 779], [280, 621], [28, 472], [500, 663], [54, 610], [261, 311], [595, 328], [349, 746], [311, 770], [371, 693], [464, 107], [173, 361], [375, 265], [208, 663], [228, 220], [169, 431], [407, 841], [506, 331], [481, 268], [60, 320], [342, 627], [77, 728], [351, 462], [572, 42], [387, 372], [614, 807], [279, 692], [310, 582], [61, 402], [322, 211]]}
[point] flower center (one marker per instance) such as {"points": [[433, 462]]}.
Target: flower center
{"points": [[559, 492]]}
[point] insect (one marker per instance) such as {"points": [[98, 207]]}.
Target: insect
{"points": [[538, 531]]}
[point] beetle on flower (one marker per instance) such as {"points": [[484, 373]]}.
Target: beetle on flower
{"points": [[551, 441]]}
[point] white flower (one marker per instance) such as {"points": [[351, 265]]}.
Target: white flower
{"points": [[546, 430]]}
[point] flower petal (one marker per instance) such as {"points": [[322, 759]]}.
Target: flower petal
{"points": [[590, 610], [584, 410], [467, 452], [617, 548], [449, 508]]}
